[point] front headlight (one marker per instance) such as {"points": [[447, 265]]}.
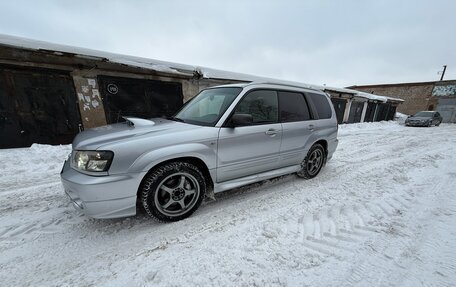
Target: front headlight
{"points": [[95, 161]]}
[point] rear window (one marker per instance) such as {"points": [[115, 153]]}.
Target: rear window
{"points": [[293, 107], [321, 104]]}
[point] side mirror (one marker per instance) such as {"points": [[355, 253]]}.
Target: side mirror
{"points": [[241, 120]]}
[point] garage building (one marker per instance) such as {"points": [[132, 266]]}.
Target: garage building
{"points": [[50, 92], [422, 96]]}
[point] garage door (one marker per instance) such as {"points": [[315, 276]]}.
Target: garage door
{"points": [[36, 106], [139, 98], [370, 112], [339, 107], [356, 110]]}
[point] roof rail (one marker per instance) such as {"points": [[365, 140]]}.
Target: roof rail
{"points": [[294, 85]]}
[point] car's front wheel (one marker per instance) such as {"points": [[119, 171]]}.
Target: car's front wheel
{"points": [[313, 162], [172, 191]]}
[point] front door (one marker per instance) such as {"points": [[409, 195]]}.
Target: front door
{"points": [[255, 148]]}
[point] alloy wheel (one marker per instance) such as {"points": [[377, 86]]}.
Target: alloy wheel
{"points": [[314, 162], [176, 194]]}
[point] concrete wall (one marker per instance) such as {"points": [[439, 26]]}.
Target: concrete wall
{"points": [[445, 94], [90, 102], [447, 109]]}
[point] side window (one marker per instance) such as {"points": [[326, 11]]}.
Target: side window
{"points": [[262, 105], [293, 107], [321, 103]]}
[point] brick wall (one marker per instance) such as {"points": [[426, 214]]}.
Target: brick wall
{"points": [[417, 97]]}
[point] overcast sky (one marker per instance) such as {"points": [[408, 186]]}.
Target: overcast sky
{"points": [[338, 43]]}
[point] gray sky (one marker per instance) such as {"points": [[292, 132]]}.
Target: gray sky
{"points": [[338, 43]]}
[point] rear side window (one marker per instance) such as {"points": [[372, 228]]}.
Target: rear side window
{"points": [[293, 107], [321, 104]]}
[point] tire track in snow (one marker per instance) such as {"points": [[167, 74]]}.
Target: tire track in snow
{"points": [[342, 229], [391, 260], [382, 211], [47, 226]]}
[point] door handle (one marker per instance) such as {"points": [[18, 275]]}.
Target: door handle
{"points": [[271, 132], [311, 127]]}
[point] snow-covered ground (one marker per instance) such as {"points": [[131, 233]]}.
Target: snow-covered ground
{"points": [[381, 213]]}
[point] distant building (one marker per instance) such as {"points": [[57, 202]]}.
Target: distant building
{"points": [[433, 96], [353, 106], [50, 92]]}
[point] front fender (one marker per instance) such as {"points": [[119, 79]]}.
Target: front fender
{"points": [[206, 153]]}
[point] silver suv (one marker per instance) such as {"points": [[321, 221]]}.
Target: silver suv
{"points": [[225, 137]]}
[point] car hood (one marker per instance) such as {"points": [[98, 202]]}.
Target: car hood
{"points": [[92, 139], [419, 118]]}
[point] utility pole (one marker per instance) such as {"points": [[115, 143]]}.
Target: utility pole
{"points": [[443, 73]]}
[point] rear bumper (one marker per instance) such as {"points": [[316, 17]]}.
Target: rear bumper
{"points": [[109, 196], [332, 146]]}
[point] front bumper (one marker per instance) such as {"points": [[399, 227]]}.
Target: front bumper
{"points": [[110, 196], [417, 124]]}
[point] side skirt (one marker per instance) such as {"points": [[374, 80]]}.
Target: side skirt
{"points": [[222, 186]]}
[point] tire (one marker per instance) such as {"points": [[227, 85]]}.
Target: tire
{"points": [[313, 162], [438, 124], [172, 191]]}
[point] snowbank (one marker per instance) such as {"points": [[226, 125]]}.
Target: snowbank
{"points": [[381, 213]]}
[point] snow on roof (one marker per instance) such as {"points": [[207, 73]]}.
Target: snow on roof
{"points": [[164, 66], [151, 64], [379, 98]]}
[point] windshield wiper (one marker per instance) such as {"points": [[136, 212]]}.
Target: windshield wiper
{"points": [[176, 119]]}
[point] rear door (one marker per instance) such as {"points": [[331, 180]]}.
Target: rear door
{"points": [[297, 127], [251, 149]]}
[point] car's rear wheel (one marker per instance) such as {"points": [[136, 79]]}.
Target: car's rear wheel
{"points": [[173, 191], [313, 162]]}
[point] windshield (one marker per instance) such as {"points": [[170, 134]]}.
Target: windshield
{"points": [[208, 106], [424, 114]]}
